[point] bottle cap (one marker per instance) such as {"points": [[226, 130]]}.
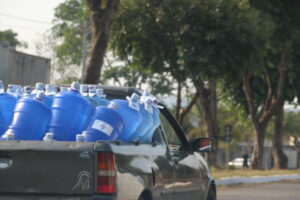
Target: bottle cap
{"points": [[11, 88], [40, 95], [64, 89], [92, 88], [27, 89], [39, 86], [145, 95], [100, 93], [134, 97], [50, 89], [79, 138], [84, 88], [10, 136], [75, 86], [48, 137], [1, 87], [113, 105]]}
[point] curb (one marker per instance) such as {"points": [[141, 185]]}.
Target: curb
{"points": [[255, 179]]}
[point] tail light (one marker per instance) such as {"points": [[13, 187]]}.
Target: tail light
{"points": [[106, 180]]}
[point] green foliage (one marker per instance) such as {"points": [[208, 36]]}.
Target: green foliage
{"points": [[68, 28], [292, 123], [10, 37]]}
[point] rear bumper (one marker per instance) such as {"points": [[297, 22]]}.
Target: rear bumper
{"points": [[54, 197]]}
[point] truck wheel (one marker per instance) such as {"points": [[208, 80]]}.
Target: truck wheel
{"points": [[211, 195]]}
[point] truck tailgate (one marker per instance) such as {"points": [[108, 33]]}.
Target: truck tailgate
{"points": [[38, 167]]}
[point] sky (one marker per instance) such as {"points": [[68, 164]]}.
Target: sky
{"points": [[29, 18]]}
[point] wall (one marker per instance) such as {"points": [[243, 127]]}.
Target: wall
{"points": [[23, 69]]}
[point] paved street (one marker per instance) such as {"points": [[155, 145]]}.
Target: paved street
{"points": [[272, 191]]}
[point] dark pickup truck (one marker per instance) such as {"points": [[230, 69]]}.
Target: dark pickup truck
{"points": [[168, 168]]}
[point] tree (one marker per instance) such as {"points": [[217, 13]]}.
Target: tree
{"points": [[101, 14], [69, 19], [9, 38], [143, 36], [285, 34]]}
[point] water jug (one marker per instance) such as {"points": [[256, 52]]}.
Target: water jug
{"points": [[97, 96], [129, 110], [50, 92], [147, 121], [106, 124], [3, 125], [7, 105], [31, 119], [69, 114], [156, 120]]}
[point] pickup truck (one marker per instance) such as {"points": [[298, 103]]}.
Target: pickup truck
{"points": [[168, 168]]}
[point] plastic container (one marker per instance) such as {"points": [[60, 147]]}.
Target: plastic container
{"points": [[15, 90], [30, 120], [97, 97], [3, 125], [69, 114], [147, 121], [50, 92], [129, 110], [156, 121], [84, 90], [27, 92], [106, 124], [7, 105]]}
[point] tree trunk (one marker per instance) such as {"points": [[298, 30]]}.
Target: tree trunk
{"points": [[258, 148], [280, 159], [178, 100], [208, 100], [101, 14]]}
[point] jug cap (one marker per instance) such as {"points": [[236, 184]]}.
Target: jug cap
{"points": [[50, 89], [79, 138], [63, 89], [156, 102], [84, 88], [39, 86], [48, 137], [9, 136], [100, 93], [75, 86], [11, 88], [134, 97], [1, 87], [40, 95], [27, 89], [113, 105], [145, 95]]}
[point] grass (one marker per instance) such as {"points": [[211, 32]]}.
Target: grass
{"points": [[222, 173]]}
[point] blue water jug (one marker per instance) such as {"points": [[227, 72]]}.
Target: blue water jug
{"points": [[15, 90], [7, 105], [69, 114], [50, 92], [146, 124], [156, 121], [31, 119], [97, 96], [106, 124], [84, 90], [129, 110], [3, 125]]}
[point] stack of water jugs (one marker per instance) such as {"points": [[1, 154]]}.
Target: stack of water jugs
{"points": [[79, 113]]}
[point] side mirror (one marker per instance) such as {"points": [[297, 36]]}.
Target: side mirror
{"points": [[202, 145]]}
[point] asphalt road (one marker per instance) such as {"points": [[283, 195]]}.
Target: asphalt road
{"points": [[272, 191]]}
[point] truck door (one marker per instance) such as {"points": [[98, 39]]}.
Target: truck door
{"points": [[186, 165]]}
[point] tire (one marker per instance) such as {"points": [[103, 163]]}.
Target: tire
{"points": [[211, 195]]}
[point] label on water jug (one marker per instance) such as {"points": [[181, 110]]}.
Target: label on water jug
{"points": [[134, 105], [103, 127]]}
